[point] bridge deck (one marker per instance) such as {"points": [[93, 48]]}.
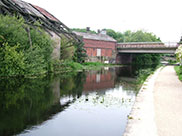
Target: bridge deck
{"points": [[147, 47]]}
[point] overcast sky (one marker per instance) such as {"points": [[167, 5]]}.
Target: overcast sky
{"points": [[161, 17]]}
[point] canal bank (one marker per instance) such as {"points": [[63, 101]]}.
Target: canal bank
{"points": [[157, 109], [141, 119]]}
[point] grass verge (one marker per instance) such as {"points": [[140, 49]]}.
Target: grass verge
{"points": [[178, 70], [68, 66]]}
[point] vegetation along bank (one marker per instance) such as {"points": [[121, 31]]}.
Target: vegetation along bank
{"points": [[19, 57], [178, 69]]}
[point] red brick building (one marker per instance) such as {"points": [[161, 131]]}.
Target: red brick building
{"points": [[99, 47]]}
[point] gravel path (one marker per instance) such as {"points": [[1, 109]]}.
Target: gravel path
{"points": [[168, 103], [158, 107]]}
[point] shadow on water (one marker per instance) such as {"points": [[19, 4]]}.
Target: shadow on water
{"points": [[26, 103]]}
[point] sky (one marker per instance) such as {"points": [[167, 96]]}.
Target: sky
{"points": [[161, 17]]}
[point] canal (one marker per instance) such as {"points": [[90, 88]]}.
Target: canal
{"points": [[88, 103]]}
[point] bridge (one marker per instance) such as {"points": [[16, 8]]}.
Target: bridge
{"points": [[126, 51], [147, 47]]}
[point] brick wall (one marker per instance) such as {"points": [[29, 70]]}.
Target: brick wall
{"points": [[106, 47]]}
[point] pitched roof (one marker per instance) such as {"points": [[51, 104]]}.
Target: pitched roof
{"points": [[32, 13], [100, 37], [45, 13], [27, 8]]}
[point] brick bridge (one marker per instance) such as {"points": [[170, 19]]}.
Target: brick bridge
{"points": [[126, 51]]}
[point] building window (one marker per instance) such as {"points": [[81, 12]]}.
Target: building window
{"points": [[98, 78], [98, 52]]}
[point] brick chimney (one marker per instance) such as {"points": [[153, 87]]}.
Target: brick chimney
{"points": [[88, 29]]}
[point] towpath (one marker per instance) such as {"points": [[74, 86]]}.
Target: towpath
{"points": [[158, 107], [168, 103]]}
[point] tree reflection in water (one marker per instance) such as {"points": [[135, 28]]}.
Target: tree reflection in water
{"points": [[28, 102], [25, 103]]}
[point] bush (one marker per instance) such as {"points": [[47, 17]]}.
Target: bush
{"points": [[17, 55], [143, 74], [12, 62], [73, 65], [179, 54], [80, 53], [146, 59]]}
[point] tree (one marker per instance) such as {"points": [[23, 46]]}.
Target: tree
{"points": [[118, 36], [129, 36], [138, 36], [80, 53], [179, 54]]}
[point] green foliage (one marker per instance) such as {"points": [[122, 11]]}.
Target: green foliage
{"points": [[179, 54], [80, 53], [172, 61], [93, 64], [12, 62], [18, 57], [143, 74], [138, 36], [129, 36], [66, 66], [72, 51], [116, 35], [67, 49], [13, 32], [178, 70], [146, 59], [73, 65]]}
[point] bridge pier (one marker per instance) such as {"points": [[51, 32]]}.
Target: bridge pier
{"points": [[124, 58]]}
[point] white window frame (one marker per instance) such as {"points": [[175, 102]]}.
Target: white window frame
{"points": [[98, 52]]}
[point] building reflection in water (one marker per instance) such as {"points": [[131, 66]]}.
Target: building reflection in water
{"points": [[99, 80]]}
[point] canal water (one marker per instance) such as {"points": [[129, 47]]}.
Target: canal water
{"points": [[88, 103]]}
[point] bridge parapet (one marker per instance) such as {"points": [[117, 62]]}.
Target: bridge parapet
{"points": [[147, 45]]}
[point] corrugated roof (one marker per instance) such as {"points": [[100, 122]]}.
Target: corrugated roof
{"points": [[27, 8], [32, 13], [100, 37], [35, 10], [45, 13]]}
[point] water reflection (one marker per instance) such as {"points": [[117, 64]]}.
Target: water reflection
{"points": [[23, 103], [83, 103], [99, 80]]}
